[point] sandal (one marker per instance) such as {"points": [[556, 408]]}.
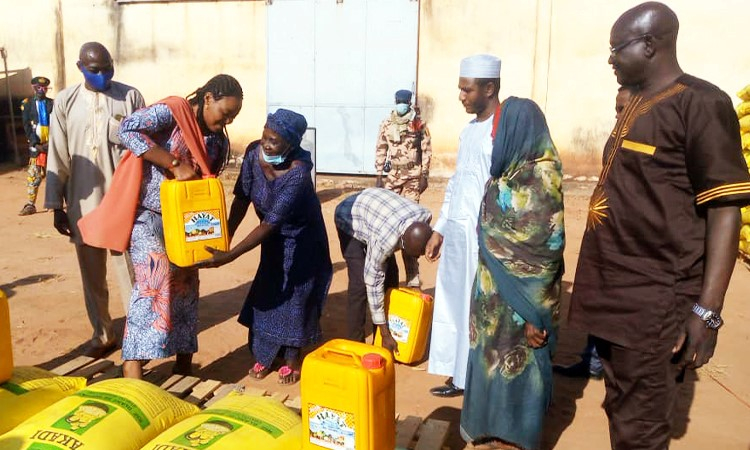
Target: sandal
{"points": [[259, 371], [288, 376]]}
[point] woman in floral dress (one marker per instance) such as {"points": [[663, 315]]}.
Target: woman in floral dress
{"points": [[514, 309], [162, 318]]}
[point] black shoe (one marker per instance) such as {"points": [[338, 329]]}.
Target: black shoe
{"points": [[580, 369], [447, 390], [27, 210], [100, 351]]}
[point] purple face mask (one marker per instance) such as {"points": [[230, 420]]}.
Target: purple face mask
{"points": [[98, 81]]}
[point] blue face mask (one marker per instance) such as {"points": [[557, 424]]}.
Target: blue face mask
{"points": [[402, 108], [98, 81], [274, 160]]}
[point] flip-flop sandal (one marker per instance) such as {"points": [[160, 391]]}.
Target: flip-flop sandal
{"points": [[288, 376], [259, 371]]}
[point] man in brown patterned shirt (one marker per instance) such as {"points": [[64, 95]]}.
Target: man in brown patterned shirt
{"points": [[661, 238]]}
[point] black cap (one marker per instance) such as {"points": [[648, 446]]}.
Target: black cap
{"points": [[40, 81], [403, 96]]}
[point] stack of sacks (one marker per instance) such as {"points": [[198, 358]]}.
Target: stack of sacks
{"points": [[235, 422], [29, 391], [743, 113], [122, 414]]}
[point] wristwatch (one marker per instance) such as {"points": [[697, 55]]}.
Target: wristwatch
{"points": [[175, 162], [713, 320]]}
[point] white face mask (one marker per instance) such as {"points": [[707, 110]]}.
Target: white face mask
{"points": [[402, 108]]}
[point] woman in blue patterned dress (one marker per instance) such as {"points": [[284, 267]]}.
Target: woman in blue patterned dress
{"points": [[283, 307], [162, 318], [514, 308]]}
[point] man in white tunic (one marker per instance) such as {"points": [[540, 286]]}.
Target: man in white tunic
{"points": [[83, 152], [456, 228]]}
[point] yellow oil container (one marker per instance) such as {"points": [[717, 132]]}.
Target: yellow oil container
{"points": [[194, 215], [6, 348], [409, 319], [348, 397]]}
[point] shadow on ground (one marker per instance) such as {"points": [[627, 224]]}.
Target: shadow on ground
{"points": [[10, 288], [567, 391], [117, 324], [221, 306], [453, 416], [214, 309]]}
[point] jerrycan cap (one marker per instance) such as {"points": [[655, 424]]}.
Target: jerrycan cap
{"points": [[372, 361]]}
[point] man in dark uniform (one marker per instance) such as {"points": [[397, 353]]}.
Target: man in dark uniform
{"points": [[35, 113], [662, 231]]}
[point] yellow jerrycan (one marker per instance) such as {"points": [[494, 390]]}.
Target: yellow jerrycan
{"points": [[195, 215], [409, 314], [6, 348], [348, 397]]}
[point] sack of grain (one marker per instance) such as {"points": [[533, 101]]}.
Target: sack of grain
{"points": [[121, 414]]}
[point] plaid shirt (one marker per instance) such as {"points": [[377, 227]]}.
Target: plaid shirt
{"points": [[378, 218]]}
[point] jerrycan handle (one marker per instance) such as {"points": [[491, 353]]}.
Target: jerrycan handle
{"points": [[345, 353], [369, 361], [427, 298]]}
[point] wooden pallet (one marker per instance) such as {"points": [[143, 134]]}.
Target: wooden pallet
{"points": [[202, 393], [412, 433], [93, 370]]}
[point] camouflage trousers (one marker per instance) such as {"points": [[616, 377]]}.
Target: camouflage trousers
{"points": [[34, 176], [405, 187]]}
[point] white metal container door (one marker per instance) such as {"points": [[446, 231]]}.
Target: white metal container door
{"points": [[339, 64]]}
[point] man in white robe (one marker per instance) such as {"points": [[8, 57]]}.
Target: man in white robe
{"points": [[456, 228], [83, 152]]}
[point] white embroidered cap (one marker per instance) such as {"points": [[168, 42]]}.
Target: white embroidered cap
{"points": [[480, 66]]}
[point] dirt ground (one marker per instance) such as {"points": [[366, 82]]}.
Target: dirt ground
{"points": [[40, 275]]}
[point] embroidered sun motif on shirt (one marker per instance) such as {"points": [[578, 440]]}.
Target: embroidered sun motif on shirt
{"points": [[597, 208]]}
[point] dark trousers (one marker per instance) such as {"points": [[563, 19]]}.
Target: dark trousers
{"points": [[640, 393], [354, 253]]}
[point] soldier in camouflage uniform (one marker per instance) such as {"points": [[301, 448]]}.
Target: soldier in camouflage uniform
{"points": [[403, 153]]}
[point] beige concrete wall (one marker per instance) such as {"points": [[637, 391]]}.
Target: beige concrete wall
{"points": [[31, 51], [174, 48], [554, 51], [453, 29], [582, 86], [162, 49]]}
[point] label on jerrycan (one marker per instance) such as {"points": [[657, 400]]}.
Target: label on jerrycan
{"points": [[399, 328], [330, 428], [203, 225]]}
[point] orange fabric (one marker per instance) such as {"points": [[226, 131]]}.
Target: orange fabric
{"points": [[111, 223], [41, 160]]}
